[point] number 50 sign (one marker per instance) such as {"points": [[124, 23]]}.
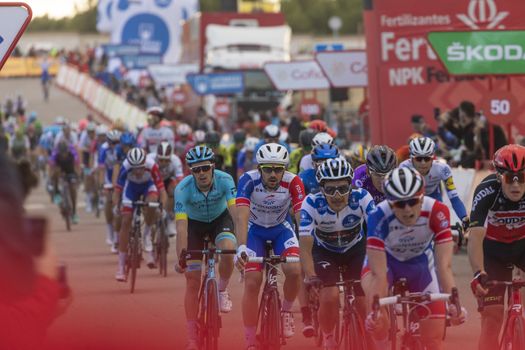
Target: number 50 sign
{"points": [[499, 107]]}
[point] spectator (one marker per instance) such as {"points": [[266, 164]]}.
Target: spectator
{"points": [[420, 126]]}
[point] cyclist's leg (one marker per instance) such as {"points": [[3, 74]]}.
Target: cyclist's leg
{"points": [[225, 239], [252, 282], [73, 187], [353, 260], [169, 208], [152, 196], [108, 208], [128, 194]]}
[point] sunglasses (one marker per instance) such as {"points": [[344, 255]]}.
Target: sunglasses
{"points": [[510, 177], [272, 169], [423, 159], [402, 204], [202, 168], [331, 190]]}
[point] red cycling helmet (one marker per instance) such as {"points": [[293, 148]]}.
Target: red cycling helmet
{"points": [[510, 158], [318, 125]]}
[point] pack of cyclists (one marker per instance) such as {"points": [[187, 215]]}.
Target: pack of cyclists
{"points": [[349, 215]]}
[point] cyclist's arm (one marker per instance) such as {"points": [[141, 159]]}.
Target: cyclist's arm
{"points": [[159, 183], [297, 195], [122, 177], [242, 202], [443, 248], [452, 193], [475, 248], [376, 255], [306, 239], [181, 221]]}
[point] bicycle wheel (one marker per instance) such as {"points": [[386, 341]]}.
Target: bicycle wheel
{"points": [[271, 321], [134, 258], [317, 327], [357, 333], [66, 203], [212, 318], [162, 250], [518, 335]]}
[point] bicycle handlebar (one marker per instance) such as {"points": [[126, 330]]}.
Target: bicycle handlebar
{"points": [[493, 283], [211, 251], [142, 204], [411, 298], [274, 259], [458, 227]]}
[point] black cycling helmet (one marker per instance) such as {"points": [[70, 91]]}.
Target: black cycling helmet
{"points": [[239, 136], [381, 159], [212, 138], [305, 138]]}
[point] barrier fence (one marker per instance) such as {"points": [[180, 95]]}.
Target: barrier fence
{"points": [[27, 67], [99, 98]]}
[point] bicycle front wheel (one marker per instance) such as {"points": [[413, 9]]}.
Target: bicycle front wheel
{"points": [[354, 333], [212, 318], [163, 251], [271, 327], [134, 259]]}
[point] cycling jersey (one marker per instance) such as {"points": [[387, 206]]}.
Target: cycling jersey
{"points": [[310, 181], [71, 140], [336, 232], [192, 203], [108, 157], [363, 180], [441, 172], [503, 218], [150, 138], [306, 163], [269, 208], [181, 148], [171, 171], [66, 163], [245, 163], [295, 158]]}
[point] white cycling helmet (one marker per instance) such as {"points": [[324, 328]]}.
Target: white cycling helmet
{"points": [[183, 130], [91, 127], [251, 143], [199, 136], [164, 150], [271, 131], [60, 120], [322, 138], [136, 157], [272, 153], [403, 183], [334, 169], [113, 135], [155, 110], [422, 147], [102, 130]]}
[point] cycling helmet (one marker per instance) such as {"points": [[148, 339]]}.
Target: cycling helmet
{"points": [[136, 157], [127, 139], [183, 130], [271, 131], [199, 154], [199, 136], [324, 151], [91, 127], [156, 110], [334, 169], [358, 152], [213, 138], [164, 150], [403, 183], [322, 138], [306, 137], [102, 130], [422, 147], [239, 136], [113, 135], [510, 158], [251, 143], [318, 125], [60, 120], [381, 159], [272, 153]]}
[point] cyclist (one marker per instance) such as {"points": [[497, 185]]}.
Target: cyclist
{"points": [[357, 155], [151, 136], [170, 167], [138, 178], [319, 154], [107, 159], [422, 151], [64, 162], [222, 157], [334, 220], [409, 237], [204, 207], [19, 145], [272, 134], [199, 136], [496, 237], [84, 146], [235, 149], [245, 160], [319, 139], [67, 134], [183, 142], [305, 140], [379, 162], [264, 198]]}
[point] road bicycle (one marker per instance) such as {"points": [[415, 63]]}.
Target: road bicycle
{"points": [[209, 321], [411, 306], [162, 244], [270, 326], [513, 337], [135, 240], [66, 201]]}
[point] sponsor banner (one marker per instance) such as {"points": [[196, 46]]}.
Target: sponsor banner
{"points": [[140, 61], [298, 75], [310, 107], [216, 83], [105, 15], [114, 50], [345, 68], [481, 52], [27, 67], [406, 76], [165, 74], [14, 19]]}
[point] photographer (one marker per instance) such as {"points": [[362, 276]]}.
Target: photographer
{"points": [[30, 293]]}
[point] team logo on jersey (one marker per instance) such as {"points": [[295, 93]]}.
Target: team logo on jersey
{"points": [[444, 224], [351, 220], [269, 200], [510, 219], [306, 219], [449, 184], [291, 242], [324, 264], [480, 195]]}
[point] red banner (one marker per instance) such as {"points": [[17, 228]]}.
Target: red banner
{"points": [[405, 76]]}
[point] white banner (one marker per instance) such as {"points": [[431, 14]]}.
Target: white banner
{"points": [[344, 68], [105, 15], [14, 18], [164, 74], [298, 75]]}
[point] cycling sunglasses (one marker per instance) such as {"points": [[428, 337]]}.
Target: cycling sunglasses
{"points": [[199, 169], [423, 159], [268, 169], [331, 190], [510, 177], [382, 175], [403, 203]]}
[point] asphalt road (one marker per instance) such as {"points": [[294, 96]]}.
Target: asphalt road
{"points": [[104, 315]]}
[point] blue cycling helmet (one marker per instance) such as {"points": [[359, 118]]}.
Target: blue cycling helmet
{"points": [[127, 139], [324, 151], [199, 154]]}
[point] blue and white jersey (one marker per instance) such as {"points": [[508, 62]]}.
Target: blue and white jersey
{"points": [[311, 185], [108, 157], [336, 232]]}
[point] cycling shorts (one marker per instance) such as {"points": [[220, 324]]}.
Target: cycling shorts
{"points": [[219, 229], [283, 238], [329, 265], [86, 155], [133, 192], [170, 182], [500, 259], [108, 178]]}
